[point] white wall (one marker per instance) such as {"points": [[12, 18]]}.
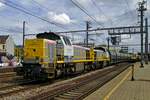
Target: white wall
{"points": [[10, 46]]}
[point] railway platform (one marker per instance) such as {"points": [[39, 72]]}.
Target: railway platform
{"points": [[123, 87]]}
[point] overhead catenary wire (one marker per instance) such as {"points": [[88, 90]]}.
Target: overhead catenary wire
{"points": [[3, 30], [119, 17], [77, 4], [9, 30], [129, 8], [16, 5], [12, 30], [47, 9], [41, 6], [92, 30], [100, 11], [19, 8]]}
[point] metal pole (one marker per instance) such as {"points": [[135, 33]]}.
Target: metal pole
{"points": [[133, 50], [23, 33], [141, 10], [149, 53], [141, 38], [149, 47], [132, 79], [23, 38], [87, 34], [146, 41], [108, 43]]}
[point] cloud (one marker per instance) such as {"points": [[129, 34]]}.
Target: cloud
{"points": [[1, 5], [60, 18], [148, 7], [101, 18], [68, 13]]}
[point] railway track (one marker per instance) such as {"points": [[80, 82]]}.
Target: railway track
{"points": [[5, 77], [80, 88], [8, 69], [10, 83], [20, 87], [7, 74], [76, 88]]}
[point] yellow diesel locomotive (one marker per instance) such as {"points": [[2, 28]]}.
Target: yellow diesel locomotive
{"points": [[51, 55]]}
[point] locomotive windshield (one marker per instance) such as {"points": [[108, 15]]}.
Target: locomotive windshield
{"points": [[52, 36], [67, 41]]}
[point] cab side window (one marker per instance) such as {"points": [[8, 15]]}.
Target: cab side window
{"points": [[67, 41], [59, 42]]}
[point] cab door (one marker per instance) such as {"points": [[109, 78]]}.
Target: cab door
{"points": [[68, 49]]}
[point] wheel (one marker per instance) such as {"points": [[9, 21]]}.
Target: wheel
{"points": [[104, 64], [101, 64], [73, 69], [88, 67], [94, 66], [55, 74], [64, 72]]}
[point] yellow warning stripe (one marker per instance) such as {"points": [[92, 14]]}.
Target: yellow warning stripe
{"points": [[113, 90]]}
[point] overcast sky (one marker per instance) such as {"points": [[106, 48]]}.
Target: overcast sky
{"points": [[107, 13]]}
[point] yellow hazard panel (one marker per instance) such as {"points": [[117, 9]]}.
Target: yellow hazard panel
{"points": [[34, 43], [34, 48], [31, 52]]}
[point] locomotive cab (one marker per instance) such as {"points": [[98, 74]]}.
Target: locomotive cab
{"points": [[64, 46], [68, 49], [46, 54]]}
